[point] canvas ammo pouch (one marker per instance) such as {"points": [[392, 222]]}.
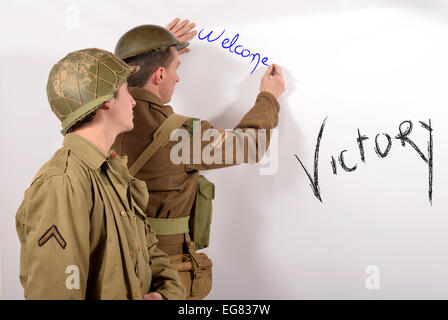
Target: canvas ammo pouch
{"points": [[201, 215], [195, 269]]}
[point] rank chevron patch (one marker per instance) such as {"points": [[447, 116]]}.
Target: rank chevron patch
{"points": [[52, 232]]}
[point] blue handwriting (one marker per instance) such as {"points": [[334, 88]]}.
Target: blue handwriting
{"points": [[228, 44]]}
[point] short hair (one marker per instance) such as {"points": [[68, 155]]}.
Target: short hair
{"points": [[82, 122], [148, 62]]}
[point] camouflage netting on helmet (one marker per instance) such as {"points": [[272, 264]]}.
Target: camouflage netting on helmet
{"points": [[82, 81]]}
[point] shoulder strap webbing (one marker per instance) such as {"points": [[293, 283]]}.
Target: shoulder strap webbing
{"points": [[161, 138]]}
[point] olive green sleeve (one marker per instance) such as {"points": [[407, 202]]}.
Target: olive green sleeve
{"points": [[248, 141], [165, 279], [53, 228]]}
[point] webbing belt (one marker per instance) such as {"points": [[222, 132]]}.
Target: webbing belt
{"points": [[165, 227]]}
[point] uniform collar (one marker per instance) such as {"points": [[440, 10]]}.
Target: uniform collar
{"points": [[87, 151], [154, 101]]}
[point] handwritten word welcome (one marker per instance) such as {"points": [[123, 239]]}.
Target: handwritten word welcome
{"points": [[238, 49]]}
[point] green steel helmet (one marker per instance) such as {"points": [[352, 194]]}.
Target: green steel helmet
{"points": [[82, 82], [145, 38]]}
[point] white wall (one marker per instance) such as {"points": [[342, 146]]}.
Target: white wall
{"points": [[367, 65]]}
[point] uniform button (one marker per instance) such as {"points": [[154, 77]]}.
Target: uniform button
{"points": [[113, 155], [123, 213], [139, 248]]}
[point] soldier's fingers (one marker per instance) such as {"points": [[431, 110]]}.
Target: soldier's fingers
{"points": [[172, 24], [268, 71], [188, 27], [187, 36], [279, 70], [180, 26], [185, 50], [182, 32]]}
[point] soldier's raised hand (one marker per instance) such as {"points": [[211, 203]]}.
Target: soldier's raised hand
{"points": [[182, 31]]}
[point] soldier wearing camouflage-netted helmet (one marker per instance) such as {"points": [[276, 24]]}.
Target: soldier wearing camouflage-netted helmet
{"points": [[81, 225], [82, 81]]}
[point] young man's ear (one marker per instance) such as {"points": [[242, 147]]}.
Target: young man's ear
{"points": [[105, 106], [159, 75]]}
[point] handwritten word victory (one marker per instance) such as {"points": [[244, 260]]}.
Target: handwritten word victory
{"points": [[237, 49], [404, 130]]}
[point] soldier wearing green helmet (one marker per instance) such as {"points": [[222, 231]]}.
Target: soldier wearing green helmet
{"points": [[82, 227], [179, 198], [82, 82], [145, 38]]}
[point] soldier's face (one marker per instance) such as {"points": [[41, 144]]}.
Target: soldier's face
{"points": [[121, 110], [171, 78]]}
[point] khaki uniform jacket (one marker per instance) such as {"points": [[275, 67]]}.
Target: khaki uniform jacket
{"points": [[84, 234], [172, 187]]}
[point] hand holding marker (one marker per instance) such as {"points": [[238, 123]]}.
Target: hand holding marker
{"points": [[272, 81], [274, 71]]}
